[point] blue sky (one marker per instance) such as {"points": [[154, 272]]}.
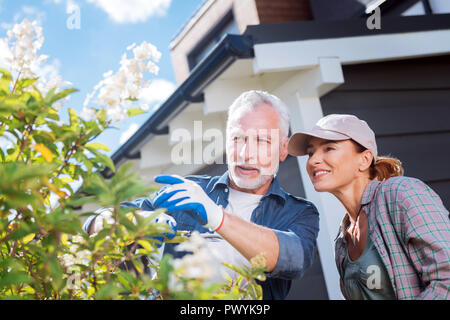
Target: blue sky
{"points": [[107, 27]]}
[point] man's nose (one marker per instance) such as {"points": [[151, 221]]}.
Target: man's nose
{"points": [[247, 151]]}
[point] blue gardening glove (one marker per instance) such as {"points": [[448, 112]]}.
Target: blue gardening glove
{"points": [[186, 195]]}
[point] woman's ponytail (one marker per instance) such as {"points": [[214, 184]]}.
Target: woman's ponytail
{"points": [[385, 168]]}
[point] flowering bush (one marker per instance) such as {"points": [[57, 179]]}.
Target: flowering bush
{"points": [[44, 254]]}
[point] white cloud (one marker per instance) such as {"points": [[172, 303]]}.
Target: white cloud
{"points": [[129, 132], [132, 10], [157, 92], [31, 13], [6, 26], [4, 53], [49, 71]]}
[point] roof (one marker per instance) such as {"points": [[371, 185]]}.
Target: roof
{"points": [[202, 8]]}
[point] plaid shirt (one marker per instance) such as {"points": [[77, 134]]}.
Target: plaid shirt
{"points": [[410, 228]]}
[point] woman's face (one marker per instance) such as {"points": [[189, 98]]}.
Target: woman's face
{"points": [[332, 165]]}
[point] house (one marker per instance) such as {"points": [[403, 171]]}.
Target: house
{"points": [[388, 62]]}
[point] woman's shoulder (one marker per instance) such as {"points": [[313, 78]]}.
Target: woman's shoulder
{"points": [[409, 192], [402, 184]]}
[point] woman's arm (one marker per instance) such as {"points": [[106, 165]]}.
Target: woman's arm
{"points": [[426, 231]]}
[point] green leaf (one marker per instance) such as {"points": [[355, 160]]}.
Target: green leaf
{"points": [[165, 268], [13, 278], [127, 223], [73, 116], [97, 145], [56, 272], [146, 245], [6, 74], [107, 161], [101, 158], [52, 97], [135, 111], [24, 83], [24, 230], [108, 291], [237, 269]]}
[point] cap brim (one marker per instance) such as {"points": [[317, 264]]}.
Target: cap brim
{"points": [[298, 141]]}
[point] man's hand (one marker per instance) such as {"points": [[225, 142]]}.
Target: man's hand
{"points": [[186, 195], [105, 216], [161, 218]]}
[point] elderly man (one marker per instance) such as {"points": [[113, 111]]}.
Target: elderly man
{"points": [[246, 207]]}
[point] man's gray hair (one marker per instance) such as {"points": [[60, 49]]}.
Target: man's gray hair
{"points": [[248, 100]]}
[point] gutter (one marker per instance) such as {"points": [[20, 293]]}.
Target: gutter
{"points": [[230, 49]]}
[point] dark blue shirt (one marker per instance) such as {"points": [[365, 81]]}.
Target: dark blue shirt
{"points": [[294, 220]]}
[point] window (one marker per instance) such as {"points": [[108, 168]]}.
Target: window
{"points": [[227, 25]]}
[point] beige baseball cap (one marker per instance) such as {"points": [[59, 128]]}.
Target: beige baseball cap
{"points": [[335, 127]]}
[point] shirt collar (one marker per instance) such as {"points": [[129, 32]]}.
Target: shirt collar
{"points": [[274, 188], [369, 192], [224, 180]]}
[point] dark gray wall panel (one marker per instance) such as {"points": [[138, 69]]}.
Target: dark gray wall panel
{"points": [[432, 73], [394, 112], [442, 188], [407, 104], [425, 156]]}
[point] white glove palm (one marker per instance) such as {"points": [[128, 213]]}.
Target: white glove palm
{"points": [[105, 215]]}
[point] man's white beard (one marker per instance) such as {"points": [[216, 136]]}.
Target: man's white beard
{"points": [[253, 183]]}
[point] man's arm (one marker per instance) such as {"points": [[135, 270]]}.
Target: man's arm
{"points": [[288, 252], [250, 239]]}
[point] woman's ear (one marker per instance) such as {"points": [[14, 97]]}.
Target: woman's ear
{"points": [[366, 160], [284, 150]]}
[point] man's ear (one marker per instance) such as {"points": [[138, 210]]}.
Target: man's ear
{"points": [[284, 150]]}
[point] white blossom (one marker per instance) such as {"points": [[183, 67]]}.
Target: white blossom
{"points": [[76, 256], [23, 42], [87, 113], [200, 263], [116, 90]]}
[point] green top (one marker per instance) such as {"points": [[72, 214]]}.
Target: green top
{"points": [[410, 228], [366, 278]]}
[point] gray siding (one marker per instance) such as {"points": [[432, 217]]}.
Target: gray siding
{"points": [[407, 104]]}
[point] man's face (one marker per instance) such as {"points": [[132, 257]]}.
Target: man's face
{"points": [[254, 147]]}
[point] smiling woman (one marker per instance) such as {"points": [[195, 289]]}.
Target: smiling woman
{"points": [[385, 211]]}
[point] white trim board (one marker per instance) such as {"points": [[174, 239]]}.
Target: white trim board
{"points": [[281, 56]]}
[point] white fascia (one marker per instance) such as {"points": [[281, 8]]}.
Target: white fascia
{"points": [[280, 56]]}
